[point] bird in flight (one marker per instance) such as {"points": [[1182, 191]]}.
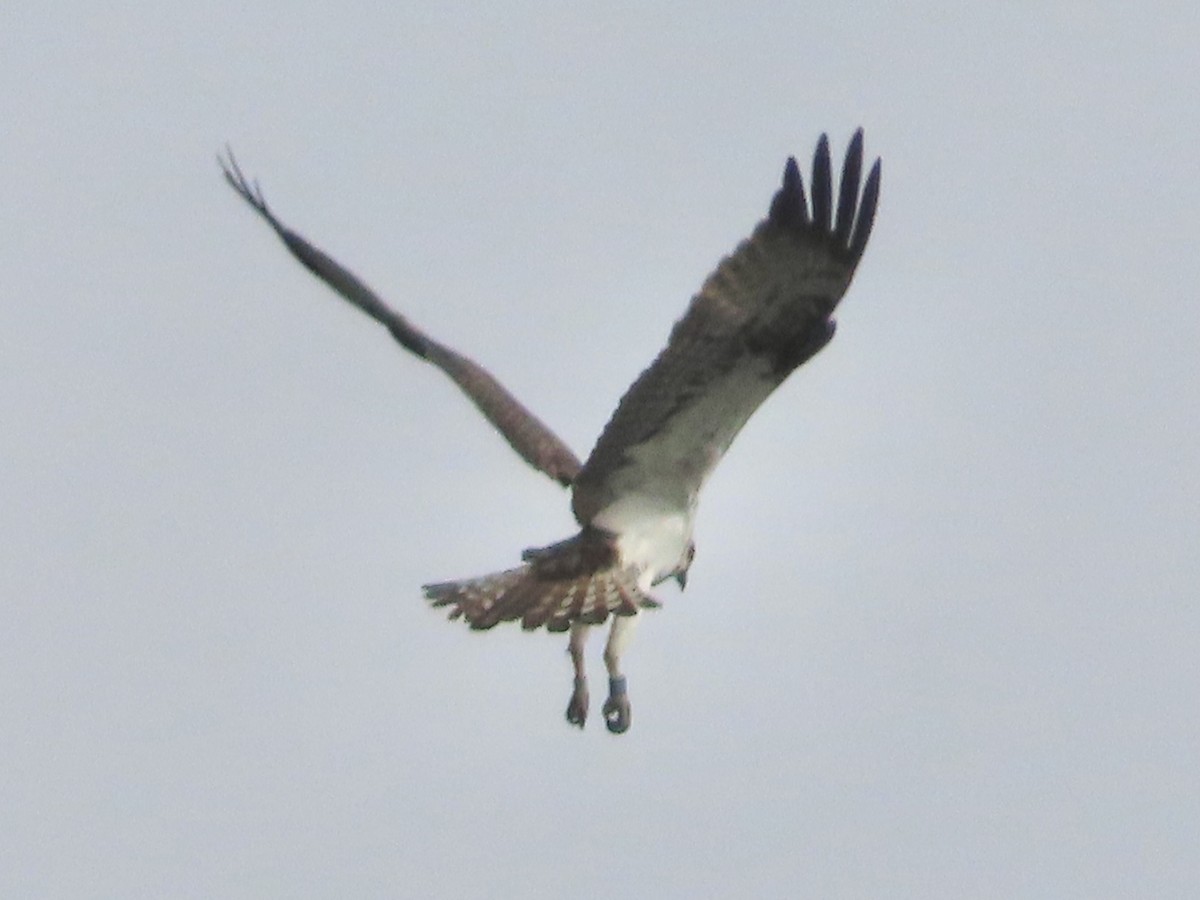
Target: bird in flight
{"points": [[765, 310]]}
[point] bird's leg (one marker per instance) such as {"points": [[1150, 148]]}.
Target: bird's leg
{"points": [[617, 714], [577, 708]]}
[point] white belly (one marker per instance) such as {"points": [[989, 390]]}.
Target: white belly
{"points": [[652, 536]]}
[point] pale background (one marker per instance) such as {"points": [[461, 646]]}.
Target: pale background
{"points": [[941, 637]]}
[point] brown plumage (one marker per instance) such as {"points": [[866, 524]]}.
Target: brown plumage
{"points": [[534, 442], [576, 580], [766, 309], [769, 304]]}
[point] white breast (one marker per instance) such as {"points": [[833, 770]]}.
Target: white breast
{"points": [[652, 536]]}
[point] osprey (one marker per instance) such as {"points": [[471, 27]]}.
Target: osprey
{"points": [[766, 309]]}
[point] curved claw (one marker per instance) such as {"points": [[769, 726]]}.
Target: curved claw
{"points": [[617, 713], [577, 707]]}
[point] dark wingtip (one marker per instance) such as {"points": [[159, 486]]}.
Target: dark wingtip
{"points": [[849, 226], [848, 193], [789, 208], [822, 186], [791, 173], [866, 213], [247, 189]]}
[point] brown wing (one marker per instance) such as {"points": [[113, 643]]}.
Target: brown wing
{"points": [[524, 431], [765, 310]]}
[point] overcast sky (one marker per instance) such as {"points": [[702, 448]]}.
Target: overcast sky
{"points": [[941, 638]]}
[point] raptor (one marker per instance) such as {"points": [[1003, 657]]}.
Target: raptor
{"points": [[764, 311]]}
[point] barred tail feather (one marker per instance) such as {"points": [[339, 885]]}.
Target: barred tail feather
{"points": [[526, 593]]}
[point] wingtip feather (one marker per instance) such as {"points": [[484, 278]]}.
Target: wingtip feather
{"points": [[791, 172], [848, 192], [866, 212], [789, 209], [822, 185]]}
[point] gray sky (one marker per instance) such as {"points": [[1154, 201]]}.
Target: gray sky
{"points": [[941, 636]]}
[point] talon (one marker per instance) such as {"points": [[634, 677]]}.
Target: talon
{"points": [[617, 713], [577, 708]]}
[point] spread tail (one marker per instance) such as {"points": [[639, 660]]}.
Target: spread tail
{"points": [[572, 581]]}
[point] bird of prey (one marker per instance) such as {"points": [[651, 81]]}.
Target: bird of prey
{"points": [[766, 309]]}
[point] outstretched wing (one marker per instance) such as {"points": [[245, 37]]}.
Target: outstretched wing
{"points": [[524, 431], [766, 309]]}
